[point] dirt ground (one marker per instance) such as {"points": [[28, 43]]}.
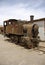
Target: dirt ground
{"points": [[12, 54]]}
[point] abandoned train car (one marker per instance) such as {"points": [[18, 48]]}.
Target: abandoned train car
{"points": [[22, 31]]}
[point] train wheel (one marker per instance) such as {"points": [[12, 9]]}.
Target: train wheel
{"points": [[12, 38], [23, 42], [16, 39]]}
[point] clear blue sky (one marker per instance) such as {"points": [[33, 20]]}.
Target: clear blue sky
{"points": [[21, 9]]}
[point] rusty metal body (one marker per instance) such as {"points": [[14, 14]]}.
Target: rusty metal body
{"points": [[26, 33], [13, 27]]}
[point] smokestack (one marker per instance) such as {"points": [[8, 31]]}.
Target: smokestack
{"points": [[31, 18]]}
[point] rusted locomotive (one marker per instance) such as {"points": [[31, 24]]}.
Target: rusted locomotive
{"points": [[22, 32]]}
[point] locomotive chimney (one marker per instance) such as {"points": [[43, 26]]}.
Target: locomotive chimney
{"points": [[31, 18]]}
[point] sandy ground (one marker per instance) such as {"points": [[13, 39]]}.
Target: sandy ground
{"points": [[12, 54]]}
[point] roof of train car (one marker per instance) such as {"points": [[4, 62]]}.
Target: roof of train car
{"points": [[14, 20], [10, 20]]}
